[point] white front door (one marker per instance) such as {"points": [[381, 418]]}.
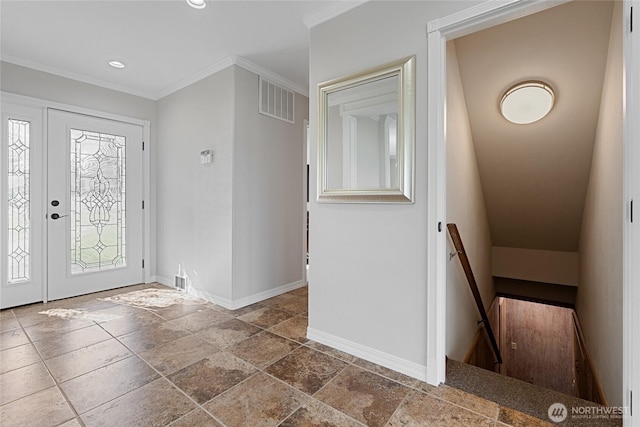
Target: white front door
{"points": [[79, 229], [94, 204]]}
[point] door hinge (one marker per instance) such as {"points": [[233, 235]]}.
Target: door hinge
{"points": [[142, 145], [439, 226], [631, 21], [142, 262], [143, 204], [631, 211], [631, 403]]}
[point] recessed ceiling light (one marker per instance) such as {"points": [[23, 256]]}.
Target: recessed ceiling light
{"points": [[116, 64], [197, 4], [527, 102]]}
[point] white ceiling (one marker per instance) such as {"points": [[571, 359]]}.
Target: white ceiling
{"points": [[534, 177], [165, 44]]}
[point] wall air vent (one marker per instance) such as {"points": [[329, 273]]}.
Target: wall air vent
{"points": [[276, 101]]}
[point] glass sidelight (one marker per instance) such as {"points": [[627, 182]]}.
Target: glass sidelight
{"points": [[18, 192]]}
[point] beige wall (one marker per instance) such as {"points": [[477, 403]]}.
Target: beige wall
{"points": [[560, 268], [599, 298], [465, 208]]}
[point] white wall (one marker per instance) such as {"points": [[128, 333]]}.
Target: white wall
{"points": [[194, 201], [465, 208], [599, 298], [560, 268], [368, 278], [268, 192], [37, 84]]}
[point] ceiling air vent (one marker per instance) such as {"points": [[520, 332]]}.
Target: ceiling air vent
{"points": [[276, 101]]}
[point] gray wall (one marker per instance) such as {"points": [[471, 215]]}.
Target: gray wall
{"points": [[368, 276], [194, 200], [466, 208], [599, 298], [268, 193], [235, 226]]}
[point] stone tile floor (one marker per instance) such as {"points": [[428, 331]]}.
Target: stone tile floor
{"points": [[194, 363]]}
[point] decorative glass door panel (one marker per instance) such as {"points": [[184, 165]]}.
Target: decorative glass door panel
{"points": [[18, 216], [98, 202], [21, 228], [94, 204]]}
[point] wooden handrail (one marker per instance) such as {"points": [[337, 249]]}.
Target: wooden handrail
{"points": [[464, 260], [591, 391]]}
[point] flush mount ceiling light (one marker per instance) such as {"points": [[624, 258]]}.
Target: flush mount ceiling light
{"points": [[527, 102], [197, 4], [116, 64]]}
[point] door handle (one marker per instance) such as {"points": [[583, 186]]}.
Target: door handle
{"points": [[57, 216]]}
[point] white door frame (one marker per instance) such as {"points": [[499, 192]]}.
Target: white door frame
{"points": [[149, 215], [468, 21], [305, 205], [631, 192]]}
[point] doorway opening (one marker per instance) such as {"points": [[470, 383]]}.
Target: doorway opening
{"points": [[449, 28]]}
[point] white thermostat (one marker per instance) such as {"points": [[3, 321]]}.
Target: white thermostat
{"points": [[206, 156]]}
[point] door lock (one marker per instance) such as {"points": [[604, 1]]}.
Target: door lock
{"points": [[57, 216], [55, 203]]}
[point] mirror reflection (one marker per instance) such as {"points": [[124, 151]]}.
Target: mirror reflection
{"points": [[362, 136], [366, 136]]}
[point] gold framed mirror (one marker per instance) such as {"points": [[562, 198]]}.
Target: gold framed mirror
{"points": [[366, 136]]}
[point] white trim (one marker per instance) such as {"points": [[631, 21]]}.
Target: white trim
{"points": [[378, 357], [148, 216], [232, 304], [75, 76], [436, 214], [225, 63], [482, 16], [488, 14], [336, 9], [162, 280], [181, 84], [631, 191], [261, 296], [305, 206], [43, 103], [269, 75]]}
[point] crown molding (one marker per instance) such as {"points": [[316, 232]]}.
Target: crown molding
{"points": [[270, 75], [336, 9], [75, 76], [210, 70]]}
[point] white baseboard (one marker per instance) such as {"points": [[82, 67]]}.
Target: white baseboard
{"points": [[161, 280], [232, 304], [381, 358], [261, 296]]}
